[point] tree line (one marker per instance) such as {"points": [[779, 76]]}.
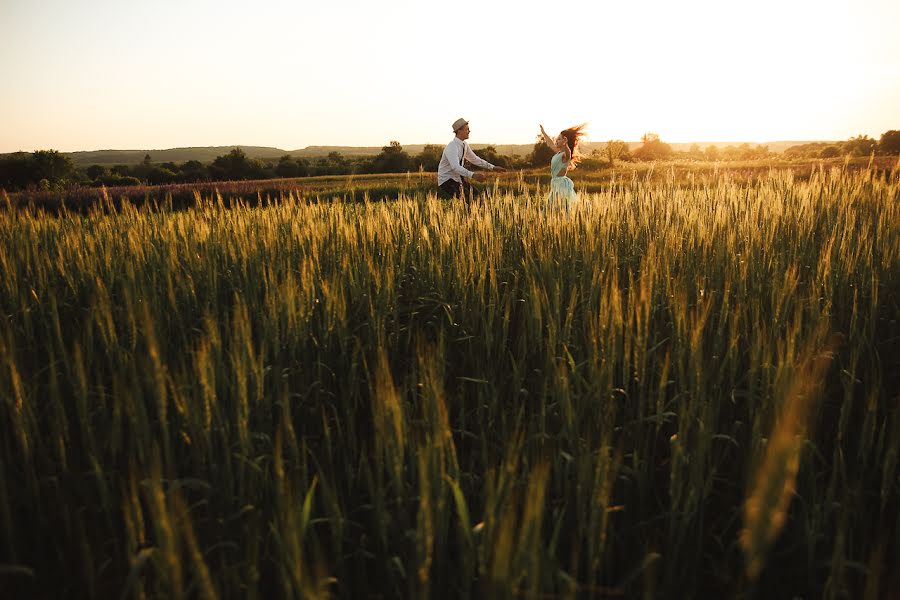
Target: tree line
{"points": [[861, 145], [49, 169]]}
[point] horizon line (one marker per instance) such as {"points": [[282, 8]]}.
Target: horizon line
{"points": [[732, 141]]}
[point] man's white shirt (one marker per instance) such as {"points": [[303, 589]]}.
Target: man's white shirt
{"points": [[451, 167]]}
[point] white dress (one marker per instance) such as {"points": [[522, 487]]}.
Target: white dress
{"points": [[562, 189]]}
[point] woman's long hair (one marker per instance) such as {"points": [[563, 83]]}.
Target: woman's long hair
{"points": [[572, 135]]}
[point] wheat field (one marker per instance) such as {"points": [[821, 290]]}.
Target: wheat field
{"points": [[683, 387]]}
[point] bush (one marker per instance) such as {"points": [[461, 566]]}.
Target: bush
{"points": [[889, 142], [113, 180]]}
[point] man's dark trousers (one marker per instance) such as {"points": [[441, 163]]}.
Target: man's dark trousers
{"points": [[455, 189]]}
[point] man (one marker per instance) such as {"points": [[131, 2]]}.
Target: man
{"points": [[451, 170]]}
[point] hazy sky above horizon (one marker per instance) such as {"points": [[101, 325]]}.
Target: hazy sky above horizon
{"points": [[119, 74]]}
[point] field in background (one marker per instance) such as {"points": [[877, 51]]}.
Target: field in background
{"points": [[591, 177], [686, 386], [207, 154]]}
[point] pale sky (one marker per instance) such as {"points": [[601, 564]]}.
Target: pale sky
{"points": [[123, 74]]}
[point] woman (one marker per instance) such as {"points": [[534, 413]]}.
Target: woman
{"points": [[562, 190]]}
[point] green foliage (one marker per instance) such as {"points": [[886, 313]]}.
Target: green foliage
{"points": [[17, 171], [51, 165], [616, 150], [889, 142], [393, 159], [337, 164], [861, 145], [809, 150], [745, 152], [236, 166], [116, 180], [541, 154], [96, 172], [193, 170], [157, 175], [652, 148], [489, 153], [233, 165], [20, 169], [288, 166], [429, 158]]}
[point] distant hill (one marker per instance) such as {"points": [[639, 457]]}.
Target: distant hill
{"points": [[176, 155], [777, 147], [209, 153]]}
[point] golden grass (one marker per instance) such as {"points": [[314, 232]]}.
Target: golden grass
{"points": [[426, 398]]}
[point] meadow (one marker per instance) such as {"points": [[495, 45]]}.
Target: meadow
{"points": [[687, 386]]}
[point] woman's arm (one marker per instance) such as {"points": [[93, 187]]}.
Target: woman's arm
{"points": [[548, 140], [567, 152]]}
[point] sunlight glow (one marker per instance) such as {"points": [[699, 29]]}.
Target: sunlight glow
{"points": [[105, 74]]}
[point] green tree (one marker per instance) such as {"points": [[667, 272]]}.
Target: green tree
{"points": [[429, 158], [393, 159], [16, 170], [257, 169], [889, 142], [615, 150], [157, 175], [541, 153], [338, 164], [761, 152], [746, 152], [490, 154], [731, 152], [234, 165], [97, 172], [288, 166], [652, 148], [861, 145], [809, 150], [51, 165], [193, 170], [119, 180]]}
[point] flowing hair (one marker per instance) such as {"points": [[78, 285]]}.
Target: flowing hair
{"points": [[572, 135]]}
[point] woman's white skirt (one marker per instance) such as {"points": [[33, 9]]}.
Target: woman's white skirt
{"points": [[562, 193]]}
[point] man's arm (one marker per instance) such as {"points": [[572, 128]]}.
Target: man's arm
{"points": [[477, 160]]}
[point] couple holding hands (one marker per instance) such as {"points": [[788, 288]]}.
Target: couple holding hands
{"points": [[452, 175]]}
